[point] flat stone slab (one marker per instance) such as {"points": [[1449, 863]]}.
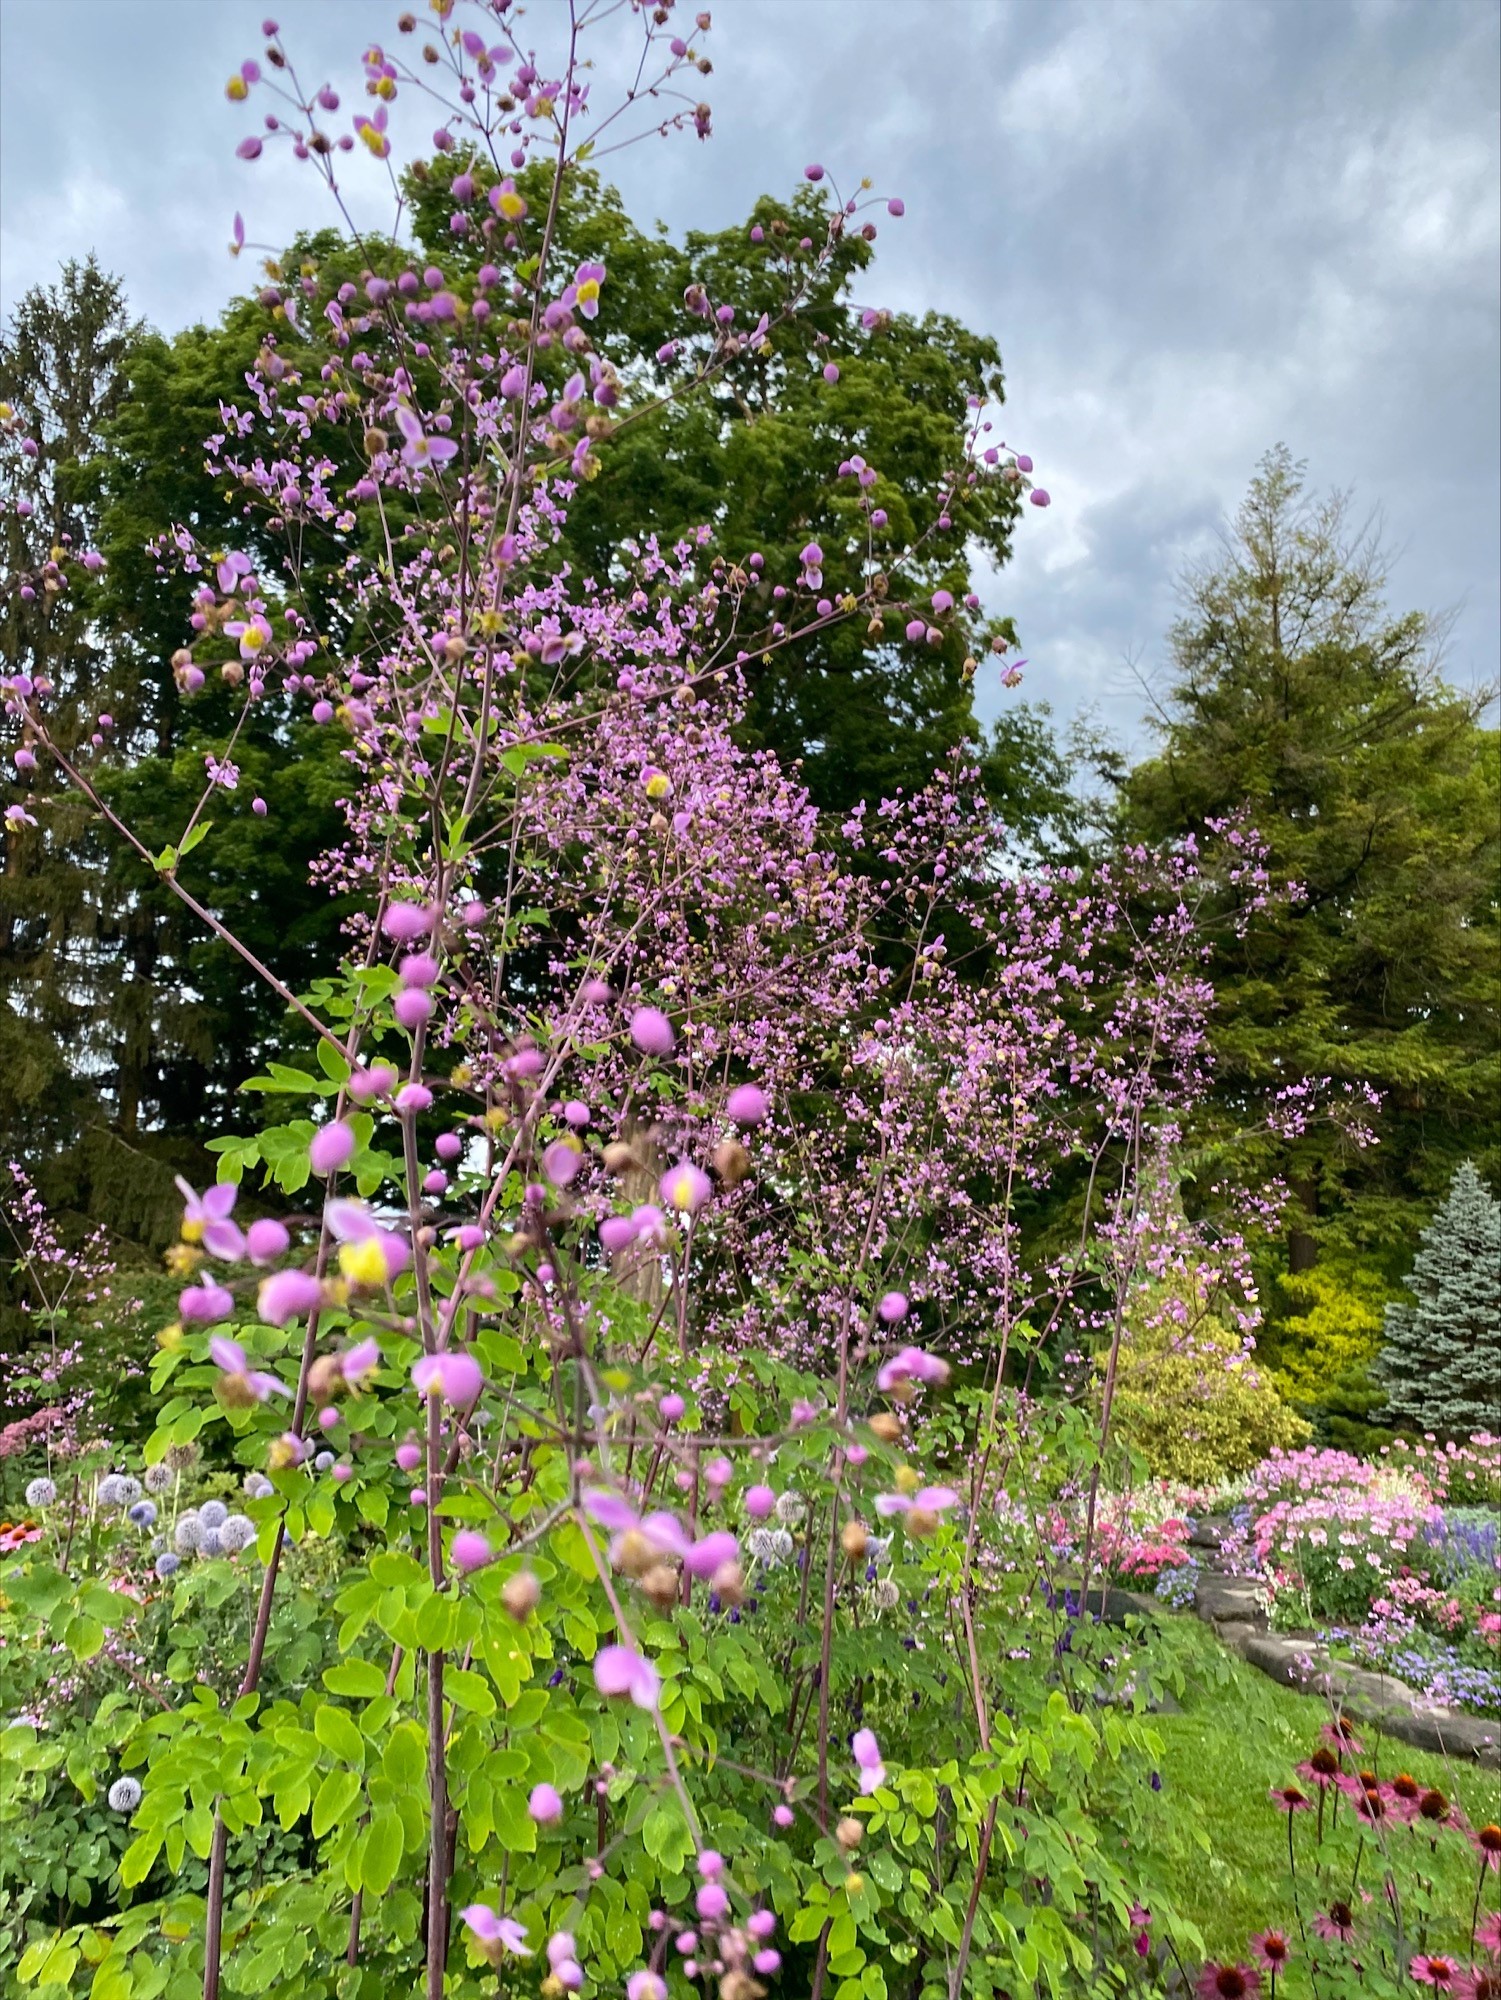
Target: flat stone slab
{"points": [[1230, 1600], [1207, 1532]]}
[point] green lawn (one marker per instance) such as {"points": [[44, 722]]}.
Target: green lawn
{"points": [[1240, 1734]]}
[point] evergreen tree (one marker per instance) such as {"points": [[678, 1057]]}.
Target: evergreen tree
{"points": [[1441, 1360], [1301, 700]]}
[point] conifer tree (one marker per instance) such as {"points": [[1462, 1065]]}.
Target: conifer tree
{"points": [[1441, 1360]]}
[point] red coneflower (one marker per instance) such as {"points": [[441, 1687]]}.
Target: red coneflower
{"points": [[1227, 1982], [1371, 1806], [1338, 1921], [1486, 1841], [1322, 1768], [1434, 1806], [1485, 1986], [1443, 1973], [1272, 1948], [1341, 1733], [1290, 1799]]}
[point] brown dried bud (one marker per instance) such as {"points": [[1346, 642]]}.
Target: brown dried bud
{"points": [[886, 1427], [731, 1162], [231, 673], [657, 823], [619, 1159], [875, 628], [276, 59], [902, 1392], [405, 23], [705, 67], [455, 646], [321, 143], [918, 1521], [738, 1984], [879, 586], [521, 1594], [660, 1585], [729, 1581], [633, 1553], [180, 659], [429, 53], [325, 1379], [376, 441], [854, 1540], [849, 1833]]}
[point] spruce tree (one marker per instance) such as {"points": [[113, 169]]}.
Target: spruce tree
{"points": [[1441, 1360]]}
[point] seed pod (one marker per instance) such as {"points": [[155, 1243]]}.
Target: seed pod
{"points": [[660, 1586], [521, 1594], [731, 1162], [849, 1833], [886, 1427], [619, 1159], [634, 1553], [918, 1521], [854, 1540], [728, 1581]]}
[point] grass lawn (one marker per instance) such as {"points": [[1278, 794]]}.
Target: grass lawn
{"points": [[1240, 1734]]}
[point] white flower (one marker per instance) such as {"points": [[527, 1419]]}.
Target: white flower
{"points": [[40, 1493], [125, 1795]]}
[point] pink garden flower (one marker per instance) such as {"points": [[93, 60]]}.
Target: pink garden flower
{"points": [[451, 1374], [621, 1670], [1227, 1982], [236, 1376], [495, 1935]]}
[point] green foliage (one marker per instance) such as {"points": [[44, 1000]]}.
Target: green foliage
{"points": [[1198, 1412]]}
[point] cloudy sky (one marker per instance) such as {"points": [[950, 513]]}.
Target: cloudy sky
{"points": [[1196, 227]]}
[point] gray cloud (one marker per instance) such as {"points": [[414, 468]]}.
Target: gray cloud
{"points": [[1195, 227]]}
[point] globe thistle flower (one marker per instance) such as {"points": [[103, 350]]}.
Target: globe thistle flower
{"points": [[212, 1543], [791, 1509], [159, 1478], [167, 1564], [118, 1489], [887, 1594], [142, 1514], [324, 1462], [213, 1513], [125, 1795], [237, 1533], [258, 1486], [187, 1536], [40, 1493]]}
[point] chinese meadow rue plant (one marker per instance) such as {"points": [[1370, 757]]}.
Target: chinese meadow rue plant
{"points": [[637, 1532]]}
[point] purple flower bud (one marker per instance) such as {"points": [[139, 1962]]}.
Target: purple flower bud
{"points": [[469, 1550], [1040, 497], [813, 173], [896, 206], [412, 1006], [831, 371], [266, 1240], [652, 1032], [747, 1104], [1023, 463], [331, 1147], [546, 1807], [405, 922], [449, 1146]]}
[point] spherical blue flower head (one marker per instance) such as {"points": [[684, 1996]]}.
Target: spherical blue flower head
{"points": [[41, 1493], [125, 1795], [258, 1486], [168, 1564], [213, 1513], [237, 1533], [114, 1490], [130, 1489], [187, 1537], [324, 1461], [159, 1478], [143, 1513], [213, 1542]]}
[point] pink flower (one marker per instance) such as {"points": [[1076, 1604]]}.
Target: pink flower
{"points": [[685, 1188], [420, 449], [912, 1365], [621, 1670], [331, 1147], [287, 1295], [236, 1373], [1430, 1969], [203, 1304], [931, 1500], [495, 1935], [759, 1502], [561, 1161], [867, 1755], [205, 1218], [452, 1374], [1227, 1982], [406, 922], [747, 1104], [893, 1308], [470, 1551], [652, 1032], [1272, 1948], [710, 1553], [546, 1807], [266, 1240], [645, 1985]]}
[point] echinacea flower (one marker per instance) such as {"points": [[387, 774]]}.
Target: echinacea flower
{"points": [[1486, 1841], [1290, 1799], [1337, 1922], [1227, 1982], [1322, 1768], [1432, 1969], [1272, 1948], [621, 1670]]}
